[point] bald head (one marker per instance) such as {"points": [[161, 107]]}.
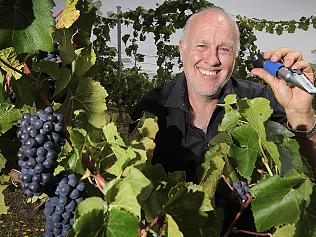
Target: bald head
{"points": [[221, 16]]}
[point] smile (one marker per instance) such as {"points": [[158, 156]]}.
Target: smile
{"points": [[206, 72]]}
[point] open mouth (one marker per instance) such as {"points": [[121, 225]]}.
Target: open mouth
{"points": [[207, 72]]}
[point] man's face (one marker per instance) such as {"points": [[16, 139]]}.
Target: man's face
{"points": [[208, 54]]}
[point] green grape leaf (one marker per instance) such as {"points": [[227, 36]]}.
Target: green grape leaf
{"points": [[112, 136], [184, 205], [133, 190], [124, 154], [2, 161], [121, 223], [230, 120], [9, 56], [89, 97], [66, 51], [86, 58], [50, 68], [212, 176], [281, 204], [89, 204], [288, 148], [79, 140], [256, 111], [69, 15], [149, 128], [173, 229], [89, 217], [306, 226], [27, 25], [91, 224], [3, 207], [246, 151], [8, 117], [24, 92], [63, 80], [287, 230]]}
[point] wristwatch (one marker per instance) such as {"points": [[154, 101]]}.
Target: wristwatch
{"points": [[303, 133]]}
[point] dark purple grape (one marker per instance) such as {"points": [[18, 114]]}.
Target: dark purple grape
{"points": [[24, 124], [62, 201], [33, 119], [71, 206], [54, 201], [41, 151], [34, 187], [28, 193], [48, 110], [49, 210], [51, 117], [47, 178], [38, 124], [30, 152], [26, 178], [40, 139], [24, 136], [51, 154], [44, 133], [60, 118], [49, 164], [40, 159], [65, 189], [49, 145], [57, 231], [20, 155], [26, 117], [72, 181], [59, 209], [43, 117], [30, 142], [56, 217], [33, 132], [58, 127], [39, 168], [37, 178], [80, 186], [74, 194], [48, 126], [30, 163]]}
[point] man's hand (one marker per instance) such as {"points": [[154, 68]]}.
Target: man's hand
{"points": [[296, 102]]}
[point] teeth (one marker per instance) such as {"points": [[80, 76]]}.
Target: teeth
{"points": [[208, 73]]}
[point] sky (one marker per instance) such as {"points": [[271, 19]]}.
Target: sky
{"points": [[304, 41]]}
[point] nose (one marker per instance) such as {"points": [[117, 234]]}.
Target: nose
{"points": [[211, 57]]}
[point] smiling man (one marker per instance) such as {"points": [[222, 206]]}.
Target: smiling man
{"points": [[186, 108]]}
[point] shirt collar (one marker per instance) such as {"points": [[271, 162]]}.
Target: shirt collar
{"points": [[178, 97]]}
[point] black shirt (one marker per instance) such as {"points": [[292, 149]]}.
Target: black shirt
{"points": [[179, 145]]}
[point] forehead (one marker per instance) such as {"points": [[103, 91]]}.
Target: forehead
{"points": [[209, 24]]}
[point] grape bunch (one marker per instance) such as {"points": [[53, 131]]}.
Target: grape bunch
{"points": [[51, 57], [41, 142], [242, 190], [59, 209]]}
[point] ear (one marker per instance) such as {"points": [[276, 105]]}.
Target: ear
{"points": [[181, 49]]}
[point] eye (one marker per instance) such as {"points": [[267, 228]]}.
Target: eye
{"points": [[225, 50], [201, 46]]}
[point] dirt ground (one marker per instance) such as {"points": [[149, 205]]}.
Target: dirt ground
{"points": [[23, 219]]}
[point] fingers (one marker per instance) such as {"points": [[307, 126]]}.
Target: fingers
{"points": [[290, 59]]}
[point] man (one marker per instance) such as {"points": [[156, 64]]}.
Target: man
{"points": [[186, 108]]}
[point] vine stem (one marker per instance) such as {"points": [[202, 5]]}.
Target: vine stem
{"points": [[155, 221], [233, 223], [251, 233]]}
